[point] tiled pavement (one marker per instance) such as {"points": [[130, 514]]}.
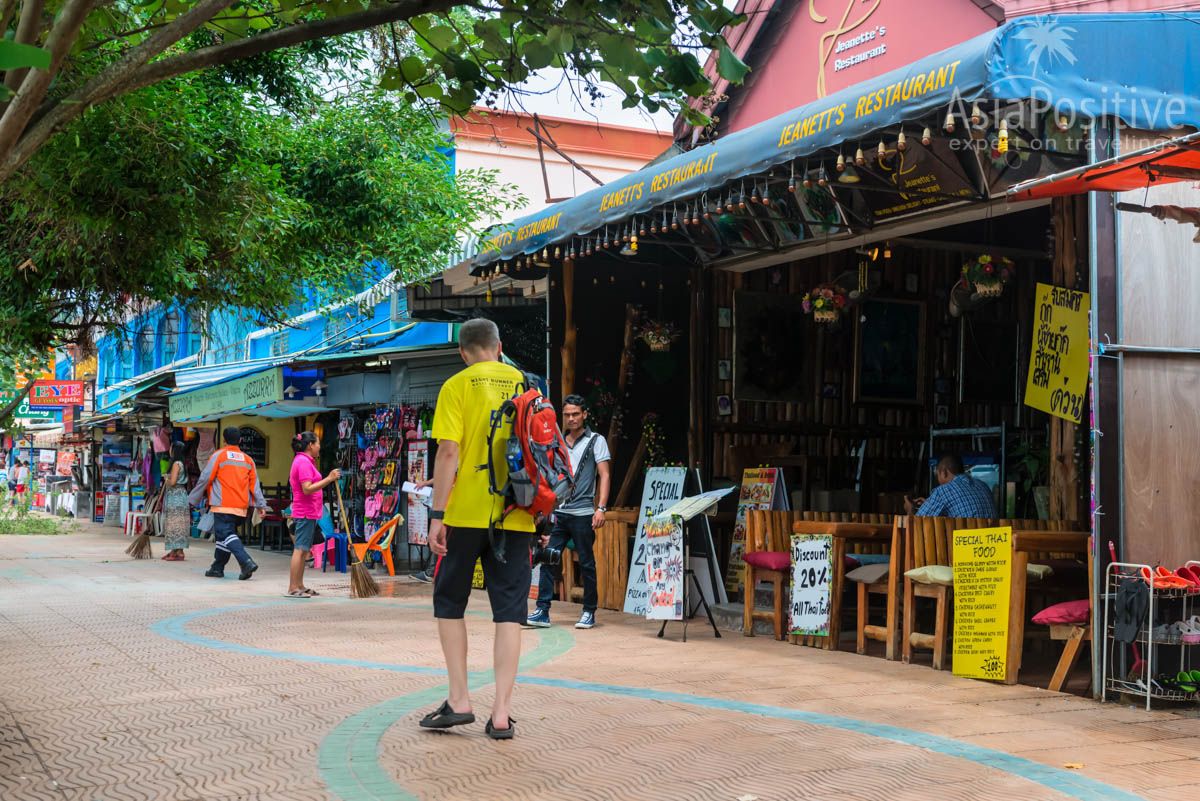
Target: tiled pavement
{"points": [[145, 680]]}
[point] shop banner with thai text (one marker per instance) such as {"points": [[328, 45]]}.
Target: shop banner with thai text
{"points": [[664, 568], [663, 488], [812, 577], [762, 488], [982, 585], [1058, 358]]}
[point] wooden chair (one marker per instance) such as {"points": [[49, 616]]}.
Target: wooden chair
{"points": [[1073, 635], [889, 587], [767, 558], [927, 542]]}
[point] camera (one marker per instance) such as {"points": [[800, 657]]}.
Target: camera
{"points": [[545, 555]]}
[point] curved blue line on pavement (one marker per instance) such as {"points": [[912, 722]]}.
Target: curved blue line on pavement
{"points": [[349, 755]]}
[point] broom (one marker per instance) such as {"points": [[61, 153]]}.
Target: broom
{"points": [[362, 583], [140, 547]]}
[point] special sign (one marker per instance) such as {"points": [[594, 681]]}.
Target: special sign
{"points": [[982, 584], [1058, 361], [664, 568]]}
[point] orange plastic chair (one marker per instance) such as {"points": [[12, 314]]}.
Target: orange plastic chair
{"points": [[381, 541]]}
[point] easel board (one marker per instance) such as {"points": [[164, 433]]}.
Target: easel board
{"points": [[762, 489], [664, 568], [663, 487], [812, 580]]}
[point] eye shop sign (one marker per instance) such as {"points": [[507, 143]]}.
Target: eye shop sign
{"points": [[229, 397]]}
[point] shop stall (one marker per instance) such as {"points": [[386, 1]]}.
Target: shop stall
{"points": [[845, 292]]}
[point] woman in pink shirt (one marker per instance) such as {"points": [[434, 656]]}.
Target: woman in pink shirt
{"points": [[307, 503]]}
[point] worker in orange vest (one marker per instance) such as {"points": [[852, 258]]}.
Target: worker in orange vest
{"points": [[229, 484]]}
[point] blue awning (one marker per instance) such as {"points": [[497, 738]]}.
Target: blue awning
{"points": [[1143, 68]]}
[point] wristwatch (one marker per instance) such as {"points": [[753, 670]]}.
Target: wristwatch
{"points": [[601, 508], [437, 514]]}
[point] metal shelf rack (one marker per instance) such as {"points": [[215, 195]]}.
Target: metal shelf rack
{"points": [[1142, 684]]}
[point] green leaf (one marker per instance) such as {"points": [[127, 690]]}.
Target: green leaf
{"points": [[441, 37], [729, 66], [18, 56], [412, 68], [430, 91], [538, 55]]}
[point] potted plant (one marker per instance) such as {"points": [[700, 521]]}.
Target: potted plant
{"points": [[1033, 463], [825, 303], [988, 275], [658, 336]]}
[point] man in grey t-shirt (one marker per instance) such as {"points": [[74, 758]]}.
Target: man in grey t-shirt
{"points": [[577, 518]]}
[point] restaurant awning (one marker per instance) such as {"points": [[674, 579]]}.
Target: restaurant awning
{"points": [[1175, 159], [1143, 68]]}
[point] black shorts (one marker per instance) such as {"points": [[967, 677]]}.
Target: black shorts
{"points": [[507, 583]]}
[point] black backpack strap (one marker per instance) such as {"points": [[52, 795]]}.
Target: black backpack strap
{"points": [[501, 413]]}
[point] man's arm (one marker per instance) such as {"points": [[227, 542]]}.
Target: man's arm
{"points": [[604, 481], [199, 493], [935, 504], [259, 501], [445, 473]]}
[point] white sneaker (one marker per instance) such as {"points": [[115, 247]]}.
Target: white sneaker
{"points": [[586, 621]]}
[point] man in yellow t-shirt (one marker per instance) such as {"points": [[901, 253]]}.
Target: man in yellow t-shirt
{"points": [[463, 508]]}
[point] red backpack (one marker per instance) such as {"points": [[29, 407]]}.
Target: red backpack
{"points": [[539, 467]]}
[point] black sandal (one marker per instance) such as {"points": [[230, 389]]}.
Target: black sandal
{"points": [[444, 717], [501, 734]]}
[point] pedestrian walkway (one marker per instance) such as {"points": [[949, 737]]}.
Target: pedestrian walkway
{"points": [[124, 679]]}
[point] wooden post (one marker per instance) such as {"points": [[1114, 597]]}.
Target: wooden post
{"points": [[631, 315], [635, 467], [1063, 470], [570, 336], [696, 372]]}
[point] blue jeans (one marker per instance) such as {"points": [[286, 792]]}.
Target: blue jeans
{"points": [[579, 529], [225, 534]]}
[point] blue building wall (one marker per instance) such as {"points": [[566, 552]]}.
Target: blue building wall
{"points": [[162, 336]]}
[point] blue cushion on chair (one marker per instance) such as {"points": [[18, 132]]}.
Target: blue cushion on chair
{"points": [[872, 558]]}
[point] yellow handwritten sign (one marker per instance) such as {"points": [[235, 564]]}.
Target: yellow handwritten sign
{"points": [[1058, 359], [982, 585]]}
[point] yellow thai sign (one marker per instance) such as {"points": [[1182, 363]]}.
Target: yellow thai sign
{"points": [[1058, 358], [982, 585]]}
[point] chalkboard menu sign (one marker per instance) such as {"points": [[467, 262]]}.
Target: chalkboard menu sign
{"points": [[254, 445]]}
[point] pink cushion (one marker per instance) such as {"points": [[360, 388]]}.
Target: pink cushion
{"points": [[849, 563], [769, 560], [1064, 613]]}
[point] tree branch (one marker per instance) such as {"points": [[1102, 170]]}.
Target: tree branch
{"points": [[28, 27], [284, 37], [6, 14], [33, 89], [19, 144]]}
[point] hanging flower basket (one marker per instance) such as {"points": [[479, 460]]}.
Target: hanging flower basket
{"points": [[658, 336], [988, 275], [825, 303]]}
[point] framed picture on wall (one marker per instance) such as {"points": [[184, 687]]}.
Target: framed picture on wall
{"points": [[254, 445], [724, 370], [724, 405], [889, 351], [987, 358], [771, 343]]}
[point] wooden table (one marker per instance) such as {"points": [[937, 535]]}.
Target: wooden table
{"points": [[1023, 544], [843, 534]]}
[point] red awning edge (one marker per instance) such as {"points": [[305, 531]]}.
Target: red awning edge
{"points": [[1173, 160]]}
